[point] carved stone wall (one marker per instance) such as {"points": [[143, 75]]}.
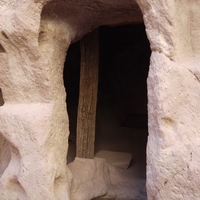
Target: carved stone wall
{"points": [[34, 38], [33, 119], [173, 99]]}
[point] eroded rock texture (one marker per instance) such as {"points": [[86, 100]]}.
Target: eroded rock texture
{"points": [[33, 119], [34, 38], [97, 178], [173, 99]]}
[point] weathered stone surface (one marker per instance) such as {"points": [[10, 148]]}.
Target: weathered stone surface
{"points": [[173, 99], [33, 120], [35, 157], [95, 178], [173, 140], [34, 38], [92, 14]]}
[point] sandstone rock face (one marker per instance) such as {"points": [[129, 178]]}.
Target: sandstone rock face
{"points": [[173, 99], [34, 38], [33, 119]]}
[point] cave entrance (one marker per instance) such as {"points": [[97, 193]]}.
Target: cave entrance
{"points": [[121, 120]]}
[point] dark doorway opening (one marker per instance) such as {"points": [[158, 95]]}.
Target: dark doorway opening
{"points": [[71, 76], [121, 122], [1, 98], [122, 97]]}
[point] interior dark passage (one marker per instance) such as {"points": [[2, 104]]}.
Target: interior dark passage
{"points": [[1, 98], [71, 76], [121, 122]]}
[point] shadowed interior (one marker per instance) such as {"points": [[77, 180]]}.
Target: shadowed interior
{"points": [[121, 121]]}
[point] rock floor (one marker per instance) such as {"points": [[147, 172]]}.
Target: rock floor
{"points": [[123, 139]]}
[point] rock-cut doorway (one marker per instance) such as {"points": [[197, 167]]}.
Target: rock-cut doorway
{"points": [[121, 121]]}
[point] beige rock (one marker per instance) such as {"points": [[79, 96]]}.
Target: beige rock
{"points": [[33, 119], [34, 38], [173, 97], [96, 178]]}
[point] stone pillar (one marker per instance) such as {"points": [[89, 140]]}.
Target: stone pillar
{"points": [[173, 149], [88, 91], [33, 119]]}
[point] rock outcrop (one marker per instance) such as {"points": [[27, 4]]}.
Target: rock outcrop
{"points": [[34, 38]]}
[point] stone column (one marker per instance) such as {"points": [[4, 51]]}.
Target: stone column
{"points": [[88, 91], [173, 149], [33, 119]]}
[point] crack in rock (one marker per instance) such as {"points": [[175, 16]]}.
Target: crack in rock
{"points": [[198, 79], [171, 179]]}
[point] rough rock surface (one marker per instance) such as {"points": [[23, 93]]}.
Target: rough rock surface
{"points": [[34, 38], [96, 178], [173, 99], [33, 119]]}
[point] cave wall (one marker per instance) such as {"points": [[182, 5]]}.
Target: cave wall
{"points": [[33, 119], [34, 38], [173, 99]]}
